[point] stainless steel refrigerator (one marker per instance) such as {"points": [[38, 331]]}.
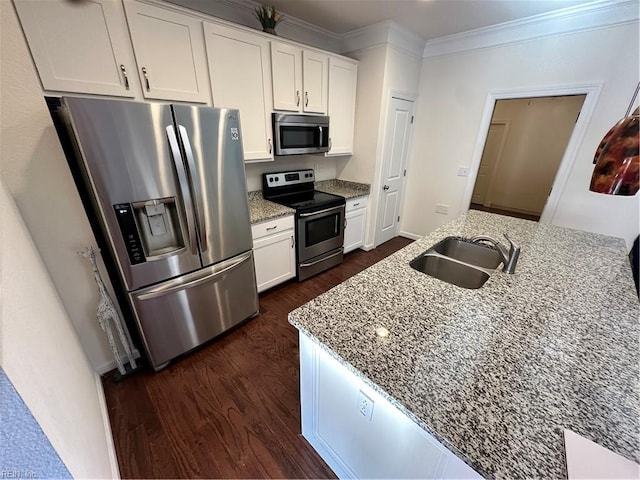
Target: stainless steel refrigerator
{"points": [[165, 188]]}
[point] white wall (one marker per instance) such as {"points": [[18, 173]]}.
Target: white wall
{"points": [[36, 173], [454, 88], [42, 356]]}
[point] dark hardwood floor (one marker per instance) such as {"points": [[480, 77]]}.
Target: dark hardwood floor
{"points": [[230, 409]]}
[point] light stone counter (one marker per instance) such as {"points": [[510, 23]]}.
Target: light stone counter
{"points": [[261, 210], [497, 373], [343, 188]]}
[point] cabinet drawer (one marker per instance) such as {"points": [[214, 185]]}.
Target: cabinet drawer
{"points": [[270, 227], [355, 203]]}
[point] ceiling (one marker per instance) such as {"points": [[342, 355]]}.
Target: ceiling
{"points": [[426, 18]]}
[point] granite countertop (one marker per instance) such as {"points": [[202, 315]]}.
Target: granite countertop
{"points": [[261, 210], [343, 188], [497, 373]]}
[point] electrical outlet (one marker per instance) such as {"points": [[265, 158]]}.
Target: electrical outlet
{"points": [[442, 208], [463, 171], [365, 405]]}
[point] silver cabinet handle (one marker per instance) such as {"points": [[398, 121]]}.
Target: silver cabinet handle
{"points": [[386, 187], [270, 146], [272, 228], [184, 188], [146, 78], [124, 75], [306, 99], [356, 204], [297, 98], [195, 186], [194, 279], [293, 242]]}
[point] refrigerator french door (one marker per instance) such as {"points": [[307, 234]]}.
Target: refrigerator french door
{"points": [[167, 185]]}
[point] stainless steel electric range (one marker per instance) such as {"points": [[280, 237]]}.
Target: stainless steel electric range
{"points": [[319, 219]]}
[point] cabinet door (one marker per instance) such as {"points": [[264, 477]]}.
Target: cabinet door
{"points": [[286, 67], [240, 71], [342, 105], [315, 79], [170, 53], [354, 229], [275, 259], [79, 47]]}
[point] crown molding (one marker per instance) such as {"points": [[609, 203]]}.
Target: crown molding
{"points": [[599, 14], [242, 12], [383, 33]]}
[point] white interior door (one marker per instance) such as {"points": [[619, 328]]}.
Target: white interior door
{"points": [[394, 160]]}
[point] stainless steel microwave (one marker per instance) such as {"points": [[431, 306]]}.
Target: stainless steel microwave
{"points": [[298, 134]]}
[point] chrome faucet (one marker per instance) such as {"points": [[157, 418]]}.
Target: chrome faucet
{"points": [[509, 258]]}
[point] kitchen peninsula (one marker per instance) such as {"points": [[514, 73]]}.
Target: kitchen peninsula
{"points": [[493, 374]]}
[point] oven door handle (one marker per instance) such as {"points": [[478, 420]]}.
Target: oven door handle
{"points": [[326, 210], [321, 260]]}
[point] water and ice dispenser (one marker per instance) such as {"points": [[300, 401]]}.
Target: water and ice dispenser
{"points": [[150, 228]]}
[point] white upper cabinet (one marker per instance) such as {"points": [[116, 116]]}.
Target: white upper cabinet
{"points": [[240, 71], [79, 46], [300, 79], [315, 80], [170, 53], [286, 67], [343, 78]]}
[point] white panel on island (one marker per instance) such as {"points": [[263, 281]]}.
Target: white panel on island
{"points": [[358, 432]]}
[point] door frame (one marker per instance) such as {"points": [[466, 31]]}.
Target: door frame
{"points": [[592, 92], [377, 182]]}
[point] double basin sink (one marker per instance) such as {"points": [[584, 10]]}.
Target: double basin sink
{"points": [[459, 261]]}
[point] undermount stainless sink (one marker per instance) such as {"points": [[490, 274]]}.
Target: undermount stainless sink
{"points": [[465, 251], [458, 261]]}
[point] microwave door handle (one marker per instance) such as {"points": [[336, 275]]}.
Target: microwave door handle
{"points": [[195, 186], [184, 188], [321, 143]]}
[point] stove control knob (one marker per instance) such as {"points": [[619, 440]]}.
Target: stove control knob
{"points": [[277, 178]]}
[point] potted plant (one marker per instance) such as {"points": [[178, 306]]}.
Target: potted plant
{"points": [[268, 17]]}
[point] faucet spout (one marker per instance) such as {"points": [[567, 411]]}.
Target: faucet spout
{"points": [[509, 257]]}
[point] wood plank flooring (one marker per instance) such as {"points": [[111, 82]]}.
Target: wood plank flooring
{"points": [[230, 409]]}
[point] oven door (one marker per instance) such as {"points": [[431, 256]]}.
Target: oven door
{"points": [[320, 232]]}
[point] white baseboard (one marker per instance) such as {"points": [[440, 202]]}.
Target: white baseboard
{"points": [[111, 448], [111, 364], [410, 235]]}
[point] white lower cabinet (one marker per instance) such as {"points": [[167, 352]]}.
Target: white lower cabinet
{"points": [[274, 251], [356, 219], [358, 432]]}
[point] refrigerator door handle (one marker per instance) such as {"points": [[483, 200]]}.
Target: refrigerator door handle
{"points": [[194, 279], [184, 188], [195, 186]]}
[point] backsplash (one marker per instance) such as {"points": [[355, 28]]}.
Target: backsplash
{"points": [[325, 168]]}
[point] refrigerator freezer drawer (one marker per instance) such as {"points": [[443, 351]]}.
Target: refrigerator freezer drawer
{"points": [[182, 313]]}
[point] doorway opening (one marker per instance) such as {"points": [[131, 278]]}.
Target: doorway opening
{"points": [[525, 144]]}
